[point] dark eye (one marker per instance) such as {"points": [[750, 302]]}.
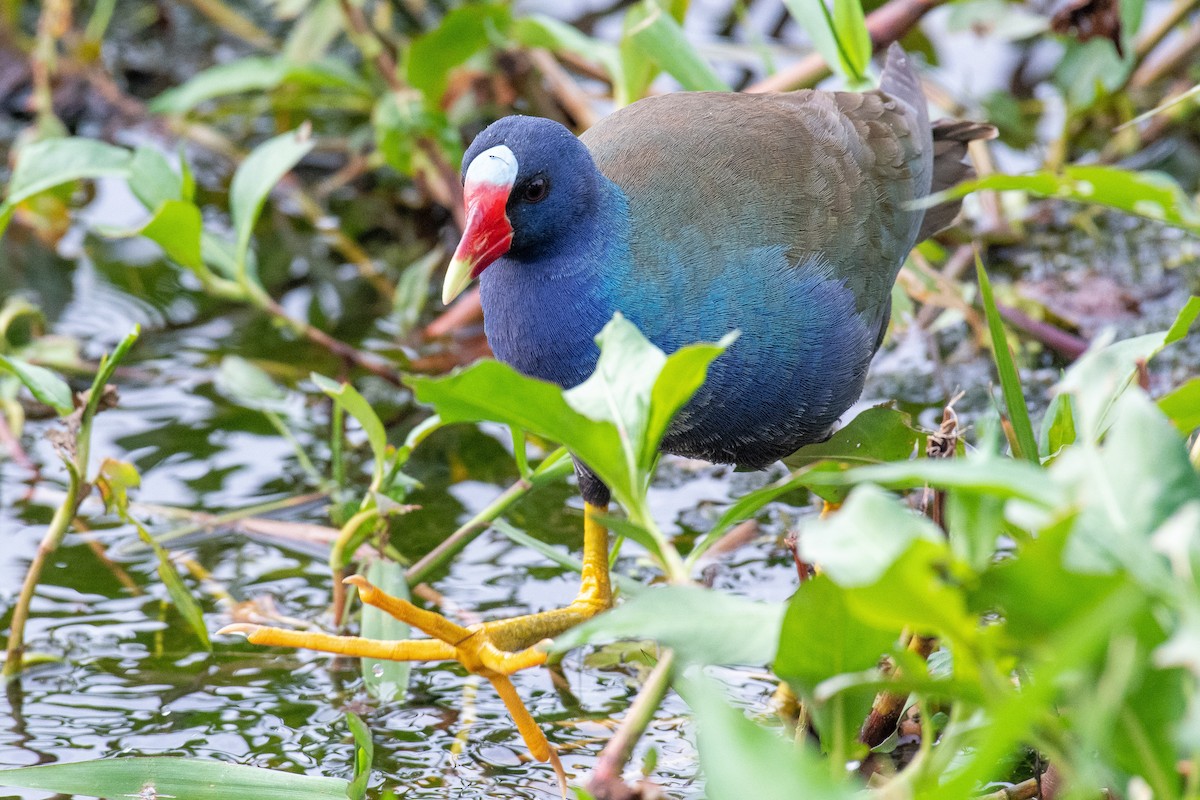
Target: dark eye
{"points": [[536, 190]]}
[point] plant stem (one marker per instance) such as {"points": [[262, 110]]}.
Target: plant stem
{"points": [[50, 542], [606, 777], [479, 523]]}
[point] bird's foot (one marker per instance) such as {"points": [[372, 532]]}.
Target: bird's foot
{"points": [[493, 650]]}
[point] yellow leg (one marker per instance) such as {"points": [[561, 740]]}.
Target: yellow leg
{"points": [[494, 650]]}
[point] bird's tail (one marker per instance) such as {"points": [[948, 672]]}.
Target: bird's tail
{"points": [[950, 167], [900, 80], [949, 138]]}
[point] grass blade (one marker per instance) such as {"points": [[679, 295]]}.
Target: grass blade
{"points": [[1024, 444]]}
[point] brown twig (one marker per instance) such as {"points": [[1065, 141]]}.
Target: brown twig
{"points": [[886, 24], [573, 99], [1025, 790], [1169, 65], [1067, 345], [347, 352], [466, 311]]}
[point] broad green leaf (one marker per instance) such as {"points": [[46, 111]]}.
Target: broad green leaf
{"points": [[744, 760], [254, 180], [701, 626], [914, 592], [1025, 446], [822, 637], [387, 680], [1100, 376], [1182, 406], [152, 180], [636, 71], [41, 382], [188, 778], [1153, 195], [48, 163], [176, 227], [611, 421], [1126, 489], [348, 398], [856, 545], [1002, 477], [840, 37], [257, 74], [661, 39], [877, 435], [462, 33]]}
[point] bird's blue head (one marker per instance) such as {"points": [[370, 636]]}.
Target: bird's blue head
{"points": [[527, 184]]}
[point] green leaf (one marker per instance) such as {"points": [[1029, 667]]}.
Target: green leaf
{"points": [[188, 778], [877, 435], [114, 481], [348, 398], [176, 227], [743, 760], [855, 546], [840, 37], [1058, 426], [1102, 374], [539, 30], [1002, 477], [1153, 195], [254, 180], [387, 680], [1126, 490], [258, 74], [636, 71], [1182, 406], [181, 598], [613, 421], [402, 121], [822, 637], [661, 40], [412, 290], [1025, 446], [364, 754], [43, 384], [701, 626], [152, 180], [462, 33], [48, 163]]}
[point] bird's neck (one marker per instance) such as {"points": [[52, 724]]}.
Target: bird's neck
{"points": [[542, 314]]}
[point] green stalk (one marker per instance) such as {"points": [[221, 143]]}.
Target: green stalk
{"points": [[619, 749], [77, 490], [50, 542], [552, 470]]}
